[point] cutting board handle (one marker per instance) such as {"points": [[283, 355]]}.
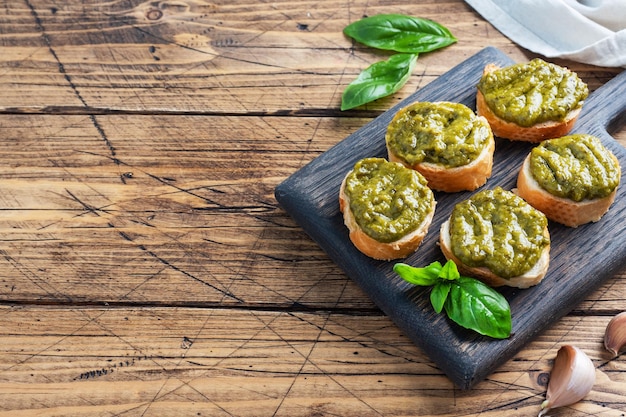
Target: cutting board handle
{"points": [[609, 104]]}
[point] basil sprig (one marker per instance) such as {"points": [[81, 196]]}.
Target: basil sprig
{"points": [[395, 32], [400, 33], [467, 301]]}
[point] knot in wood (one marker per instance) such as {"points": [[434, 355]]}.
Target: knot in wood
{"points": [[154, 14], [543, 379]]}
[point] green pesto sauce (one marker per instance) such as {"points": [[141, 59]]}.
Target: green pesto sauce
{"points": [[532, 93], [576, 167], [443, 133], [388, 201], [498, 230]]}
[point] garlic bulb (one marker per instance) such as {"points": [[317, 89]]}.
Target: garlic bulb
{"points": [[615, 334], [572, 377]]}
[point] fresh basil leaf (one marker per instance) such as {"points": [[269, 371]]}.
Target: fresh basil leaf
{"points": [[439, 295], [400, 33], [424, 277], [449, 271], [476, 306], [378, 80]]}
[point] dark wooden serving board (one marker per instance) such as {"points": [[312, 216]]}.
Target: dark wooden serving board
{"points": [[581, 258]]}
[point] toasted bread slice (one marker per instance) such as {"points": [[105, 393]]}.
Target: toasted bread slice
{"points": [[431, 127], [561, 210], [531, 277], [510, 130], [369, 246], [496, 229]]}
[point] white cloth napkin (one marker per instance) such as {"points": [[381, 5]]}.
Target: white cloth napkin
{"points": [[588, 31]]}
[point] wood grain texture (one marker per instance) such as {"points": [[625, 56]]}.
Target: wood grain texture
{"points": [[163, 361], [212, 57], [146, 268]]}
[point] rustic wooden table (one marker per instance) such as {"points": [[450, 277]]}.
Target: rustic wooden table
{"points": [[147, 269]]}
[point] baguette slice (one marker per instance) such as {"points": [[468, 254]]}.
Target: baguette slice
{"points": [[561, 210], [526, 280], [439, 120], [512, 131], [400, 248]]}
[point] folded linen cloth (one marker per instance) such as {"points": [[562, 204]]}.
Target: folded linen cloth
{"points": [[587, 31]]}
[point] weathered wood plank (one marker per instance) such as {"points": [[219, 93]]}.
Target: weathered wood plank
{"points": [[155, 361], [181, 208], [220, 57]]}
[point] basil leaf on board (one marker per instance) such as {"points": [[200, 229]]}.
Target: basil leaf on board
{"points": [[424, 277], [400, 33], [379, 80], [439, 295], [476, 306]]}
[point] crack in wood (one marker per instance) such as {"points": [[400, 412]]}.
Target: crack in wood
{"points": [[71, 84]]}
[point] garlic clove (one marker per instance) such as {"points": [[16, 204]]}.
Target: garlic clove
{"points": [[615, 334], [572, 377]]}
